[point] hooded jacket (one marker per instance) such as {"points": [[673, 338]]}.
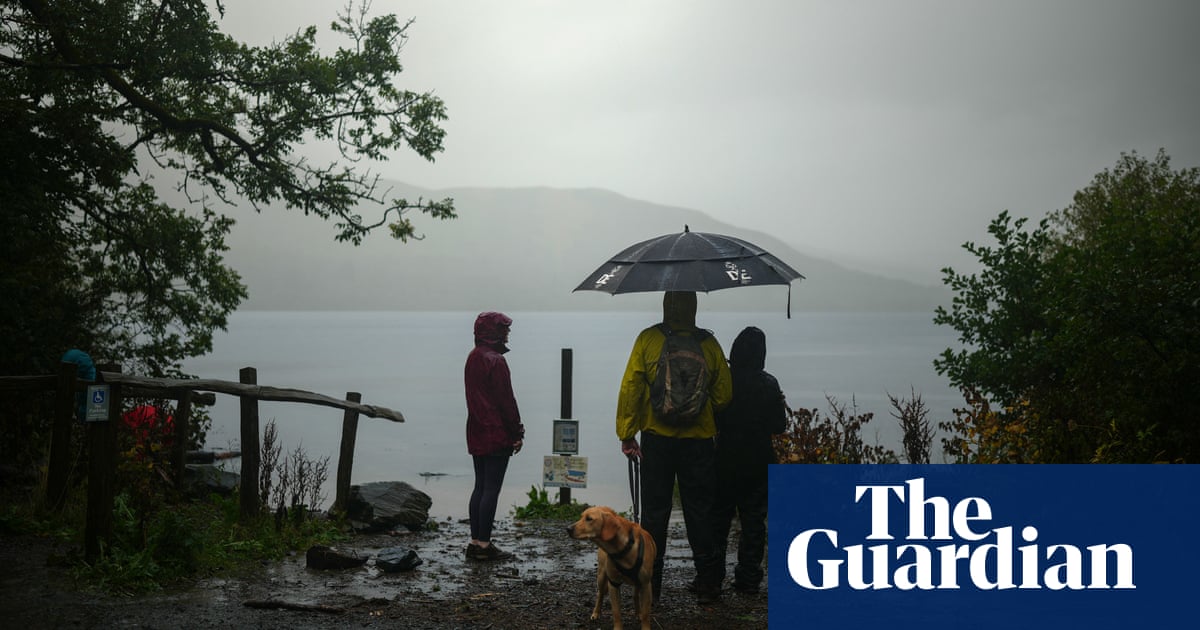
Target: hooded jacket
{"points": [[634, 412], [756, 413], [493, 420], [85, 369]]}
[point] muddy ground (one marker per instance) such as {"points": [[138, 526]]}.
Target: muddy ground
{"points": [[550, 585]]}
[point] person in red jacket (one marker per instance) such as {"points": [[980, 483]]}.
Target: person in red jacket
{"points": [[494, 429]]}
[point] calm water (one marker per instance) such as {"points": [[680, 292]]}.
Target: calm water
{"points": [[412, 362]]}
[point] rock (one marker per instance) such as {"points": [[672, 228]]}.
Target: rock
{"points": [[327, 559], [384, 505], [204, 479], [395, 559], [208, 457]]}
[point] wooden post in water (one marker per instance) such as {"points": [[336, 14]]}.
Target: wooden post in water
{"points": [[250, 449], [60, 436], [102, 471], [564, 494], [346, 454]]}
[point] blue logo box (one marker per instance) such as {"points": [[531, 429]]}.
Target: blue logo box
{"points": [[955, 546]]}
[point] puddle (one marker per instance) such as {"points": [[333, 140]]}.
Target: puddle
{"points": [[544, 554]]}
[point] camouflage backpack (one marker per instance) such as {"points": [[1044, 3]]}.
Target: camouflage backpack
{"points": [[680, 389]]}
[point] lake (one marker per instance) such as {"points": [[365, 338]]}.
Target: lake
{"points": [[412, 362]]}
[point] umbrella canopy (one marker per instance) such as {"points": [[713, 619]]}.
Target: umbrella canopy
{"points": [[688, 261]]}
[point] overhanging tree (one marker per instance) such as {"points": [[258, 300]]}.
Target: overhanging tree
{"points": [[1089, 324], [100, 94]]}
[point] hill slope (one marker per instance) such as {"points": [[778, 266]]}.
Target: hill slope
{"points": [[518, 249]]}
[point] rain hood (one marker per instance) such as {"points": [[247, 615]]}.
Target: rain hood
{"points": [[491, 329]]}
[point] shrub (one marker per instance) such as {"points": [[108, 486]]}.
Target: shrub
{"points": [[913, 416], [832, 439], [540, 507]]}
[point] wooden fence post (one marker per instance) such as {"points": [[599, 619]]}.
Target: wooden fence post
{"points": [[183, 417], [346, 455], [102, 471], [251, 507], [60, 437]]}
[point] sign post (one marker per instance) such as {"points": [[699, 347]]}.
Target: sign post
{"points": [[565, 470]]}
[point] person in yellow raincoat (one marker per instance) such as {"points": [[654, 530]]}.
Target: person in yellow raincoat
{"points": [[671, 453]]}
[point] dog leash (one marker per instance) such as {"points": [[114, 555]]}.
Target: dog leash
{"points": [[635, 487]]}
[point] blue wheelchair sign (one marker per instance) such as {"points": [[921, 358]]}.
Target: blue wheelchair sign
{"points": [[97, 408]]}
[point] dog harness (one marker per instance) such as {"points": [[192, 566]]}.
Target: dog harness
{"points": [[632, 572]]}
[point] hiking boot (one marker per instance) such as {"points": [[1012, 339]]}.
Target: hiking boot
{"points": [[706, 594], [490, 552], [745, 587]]}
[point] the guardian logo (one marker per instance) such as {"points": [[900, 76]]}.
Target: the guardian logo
{"points": [[949, 546]]}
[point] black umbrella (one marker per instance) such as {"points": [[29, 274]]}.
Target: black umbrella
{"points": [[689, 261]]}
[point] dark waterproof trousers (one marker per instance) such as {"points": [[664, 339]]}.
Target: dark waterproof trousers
{"points": [[489, 477], [691, 462], [746, 496]]}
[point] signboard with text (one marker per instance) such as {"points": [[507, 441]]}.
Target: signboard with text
{"points": [[564, 472], [566, 437], [97, 404]]}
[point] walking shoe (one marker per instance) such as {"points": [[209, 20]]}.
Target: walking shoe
{"points": [[707, 594], [745, 587], [490, 552], [704, 594]]}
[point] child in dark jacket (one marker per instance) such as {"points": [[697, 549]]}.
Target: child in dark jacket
{"points": [[744, 450]]}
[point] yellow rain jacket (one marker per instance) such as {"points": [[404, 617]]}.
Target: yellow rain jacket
{"points": [[633, 404]]}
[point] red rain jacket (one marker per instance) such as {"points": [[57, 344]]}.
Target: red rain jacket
{"points": [[493, 421]]}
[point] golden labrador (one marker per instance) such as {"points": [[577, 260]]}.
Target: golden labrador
{"points": [[624, 555]]}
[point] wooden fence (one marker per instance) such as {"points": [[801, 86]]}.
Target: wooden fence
{"points": [[101, 437]]}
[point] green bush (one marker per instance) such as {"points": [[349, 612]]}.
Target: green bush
{"points": [[540, 507], [187, 540], [1087, 323]]}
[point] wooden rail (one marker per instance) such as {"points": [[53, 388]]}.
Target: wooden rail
{"points": [[172, 387], [101, 436]]}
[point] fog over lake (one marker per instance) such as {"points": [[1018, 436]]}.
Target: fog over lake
{"points": [[413, 362]]}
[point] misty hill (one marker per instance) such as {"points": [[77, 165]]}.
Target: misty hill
{"points": [[518, 249]]}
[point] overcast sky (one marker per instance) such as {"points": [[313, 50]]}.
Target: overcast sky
{"points": [[882, 134]]}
